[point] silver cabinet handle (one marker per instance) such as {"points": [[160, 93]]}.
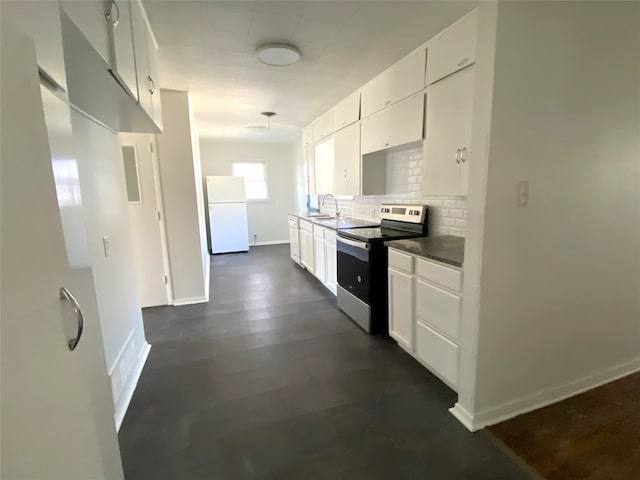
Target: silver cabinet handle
{"points": [[66, 295], [458, 155], [109, 15], [462, 152], [152, 89], [463, 61]]}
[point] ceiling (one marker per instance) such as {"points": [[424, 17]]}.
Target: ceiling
{"points": [[208, 48]]}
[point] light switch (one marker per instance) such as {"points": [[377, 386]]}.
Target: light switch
{"points": [[105, 244], [523, 194]]}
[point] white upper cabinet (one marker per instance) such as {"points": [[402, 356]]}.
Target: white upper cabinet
{"points": [[400, 124], [324, 166], [347, 161], [123, 62], [152, 58], [394, 84], [323, 126], [41, 21], [307, 135], [346, 112], [90, 18], [453, 50], [448, 134]]}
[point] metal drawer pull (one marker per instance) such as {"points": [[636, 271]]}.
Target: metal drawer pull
{"points": [[463, 61], [462, 152], [458, 155], [153, 85], [66, 295], [109, 14]]}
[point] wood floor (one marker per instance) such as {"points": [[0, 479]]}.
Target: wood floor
{"points": [[269, 380], [593, 436]]}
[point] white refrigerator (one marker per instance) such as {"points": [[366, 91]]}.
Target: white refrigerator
{"points": [[228, 227]]}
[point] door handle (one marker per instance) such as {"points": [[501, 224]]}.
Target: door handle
{"points": [[458, 155], [66, 295], [152, 88]]}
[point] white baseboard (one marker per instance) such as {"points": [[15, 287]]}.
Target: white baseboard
{"points": [[542, 398], [123, 390], [272, 242], [190, 301]]}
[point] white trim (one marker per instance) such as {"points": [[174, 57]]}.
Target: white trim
{"points": [[190, 301], [125, 345], [127, 392], [542, 398], [207, 276], [271, 242]]}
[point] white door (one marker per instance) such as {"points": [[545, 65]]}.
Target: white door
{"points": [[146, 219], [57, 415], [229, 230], [401, 321]]}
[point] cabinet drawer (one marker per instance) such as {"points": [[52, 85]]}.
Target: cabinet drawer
{"points": [[306, 226], [438, 308], [441, 274], [293, 221], [318, 231], [438, 353], [400, 261], [347, 111], [454, 50]]}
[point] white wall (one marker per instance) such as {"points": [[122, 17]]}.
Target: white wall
{"points": [[178, 162], [267, 219], [559, 278], [300, 165], [105, 212]]}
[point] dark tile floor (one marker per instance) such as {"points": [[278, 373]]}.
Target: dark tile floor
{"points": [[270, 380]]}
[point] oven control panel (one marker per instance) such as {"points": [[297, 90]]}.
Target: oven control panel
{"points": [[403, 213]]}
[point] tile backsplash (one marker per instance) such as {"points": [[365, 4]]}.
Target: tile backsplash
{"points": [[447, 215]]}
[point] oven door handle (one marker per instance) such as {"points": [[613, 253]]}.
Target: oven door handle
{"points": [[354, 243]]}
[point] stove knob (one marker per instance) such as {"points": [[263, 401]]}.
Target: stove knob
{"points": [[359, 279]]}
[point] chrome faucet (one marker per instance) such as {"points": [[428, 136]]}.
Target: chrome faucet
{"points": [[338, 212]]}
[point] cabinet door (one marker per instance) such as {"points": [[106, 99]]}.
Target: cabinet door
{"points": [[453, 50], [123, 62], [90, 18], [142, 59], [397, 82], [323, 126], [311, 170], [310, 251], [324, 163], [347, 161], [294, 243], [401, 321], [443, 137], [304, 251], [319, 260], [375, 132], [154, 91], [307, 135], [467, 79], [41, 21], [346, 112], [330, 258]]}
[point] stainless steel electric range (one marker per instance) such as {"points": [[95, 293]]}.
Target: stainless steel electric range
{"points": [[362, 263]]}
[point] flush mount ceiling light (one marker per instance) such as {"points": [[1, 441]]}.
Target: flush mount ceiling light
{"points": [[262, 128], [278, 54]]}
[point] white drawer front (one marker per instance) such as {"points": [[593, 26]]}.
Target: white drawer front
{"points": [[438, 353], [293, 221], [400, 261], [306, 226], [441, 274], [438, 308]]}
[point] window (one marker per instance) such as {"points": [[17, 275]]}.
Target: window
{"points": [[255, 179], [131, 174]]}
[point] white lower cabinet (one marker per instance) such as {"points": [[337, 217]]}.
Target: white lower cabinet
{"points": [[306, 245], [331, 260], [294, 238], [425, 311], [401, 321], [319, 266]]}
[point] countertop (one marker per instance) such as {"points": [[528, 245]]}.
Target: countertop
{"points": [[445, 248], [337, 223]]}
